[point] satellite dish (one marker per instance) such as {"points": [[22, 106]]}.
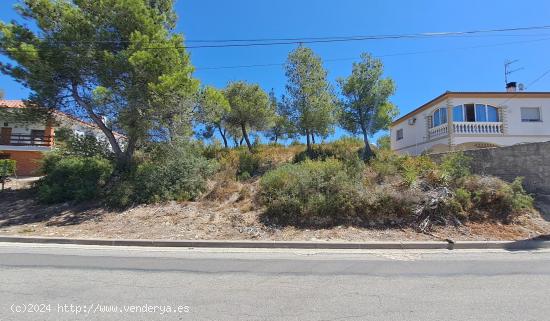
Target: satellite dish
{"points": [[521, 87]]}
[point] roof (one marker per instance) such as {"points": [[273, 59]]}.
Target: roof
{"points": [[12, 103], [471, 94], [21, 104]]}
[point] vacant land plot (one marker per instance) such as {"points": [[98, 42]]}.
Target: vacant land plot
{"points": [[236, 218]]}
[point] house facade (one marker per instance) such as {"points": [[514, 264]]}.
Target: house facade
{"points": [[26, 141], [473, 120]]}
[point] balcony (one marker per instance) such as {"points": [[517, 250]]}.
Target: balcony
{"points": [[477, 128], [26, 140], [439, 131]]}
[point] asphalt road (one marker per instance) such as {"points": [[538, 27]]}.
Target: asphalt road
{"points": [[47, 282]]}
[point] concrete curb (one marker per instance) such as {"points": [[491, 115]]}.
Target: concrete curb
{"points": [[429, 245]]}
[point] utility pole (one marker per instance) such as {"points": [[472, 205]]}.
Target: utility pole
{"points": [[507, 70]]}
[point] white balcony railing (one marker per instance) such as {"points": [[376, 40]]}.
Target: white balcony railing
{"points": [[478, 128], [439, 131]]}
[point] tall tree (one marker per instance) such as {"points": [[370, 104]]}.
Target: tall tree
{"points": [[366, 108], [214, 110], [109, 59], [311, 102], [250, 108]]}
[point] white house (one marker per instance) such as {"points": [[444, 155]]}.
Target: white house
{"points": [[472, 120]]}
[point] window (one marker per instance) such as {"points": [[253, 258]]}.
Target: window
{"points": [[530, 114], [439, 117], [458, 113], [37, 136], [399, 134], [469, 112], [475, 113], [492, 114], [481, 112], [4, 156]]}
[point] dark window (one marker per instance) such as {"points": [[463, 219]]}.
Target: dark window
{"points": [[470, 112], [399, 134], [37, 136], [5, 156]]}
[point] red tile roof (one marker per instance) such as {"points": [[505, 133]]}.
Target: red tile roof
{"points": [[12, 103]]}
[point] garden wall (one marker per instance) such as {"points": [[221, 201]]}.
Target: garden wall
{"points": [[531, 161]]}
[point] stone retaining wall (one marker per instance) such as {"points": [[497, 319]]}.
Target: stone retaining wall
{"points": [[531, 161]]}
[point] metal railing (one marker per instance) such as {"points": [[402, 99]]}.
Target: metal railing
{"points": [[26, 140]]}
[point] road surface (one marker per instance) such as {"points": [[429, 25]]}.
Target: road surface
{"points": [[67, 282]]}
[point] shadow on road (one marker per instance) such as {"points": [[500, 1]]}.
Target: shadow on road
{"points": [[534, 243]]}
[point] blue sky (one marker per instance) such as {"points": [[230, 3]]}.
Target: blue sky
{"points": [[472, 63]]}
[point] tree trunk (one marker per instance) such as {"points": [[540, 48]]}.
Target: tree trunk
{"points": [[223, 137], [367, 152], [245, 136], [313, 138], [121, 156], [241, 141], [308, 143]]}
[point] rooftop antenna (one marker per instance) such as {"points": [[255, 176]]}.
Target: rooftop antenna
{"points": [[508, 71]]}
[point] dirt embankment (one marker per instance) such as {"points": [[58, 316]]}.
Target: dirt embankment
{"points": [[227, 212]]}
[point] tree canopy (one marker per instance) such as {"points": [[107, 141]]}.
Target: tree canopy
{"points": [[310, 101], [109, 59], [366, 108], [250, 108]]}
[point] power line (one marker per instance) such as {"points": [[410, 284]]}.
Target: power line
{"points": [[288, 41], [294, 40], [227, 43], [379, 56]]}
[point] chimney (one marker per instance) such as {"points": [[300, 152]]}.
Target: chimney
{"points": [[511, 87]]}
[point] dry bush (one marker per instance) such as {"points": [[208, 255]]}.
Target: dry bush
{"points": [[490, 198]]}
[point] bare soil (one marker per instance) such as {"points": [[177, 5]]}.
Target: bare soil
{"points": [[227, 212]]}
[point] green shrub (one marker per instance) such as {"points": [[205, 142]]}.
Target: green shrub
{"points": [[393, 205], [318, 193], [72, 178], [411, 169], [249, 165], [456, 165], [493, 198], [7, 167], [520, 199], [174, 172], [345, 149]]}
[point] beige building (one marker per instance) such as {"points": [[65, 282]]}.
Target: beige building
{"points": [[473, 120]]}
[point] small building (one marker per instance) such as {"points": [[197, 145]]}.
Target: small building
{"points": [[473, 120], [25, 141]]}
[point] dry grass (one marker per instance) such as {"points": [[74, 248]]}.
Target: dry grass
{"points": [[226, 216]]}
